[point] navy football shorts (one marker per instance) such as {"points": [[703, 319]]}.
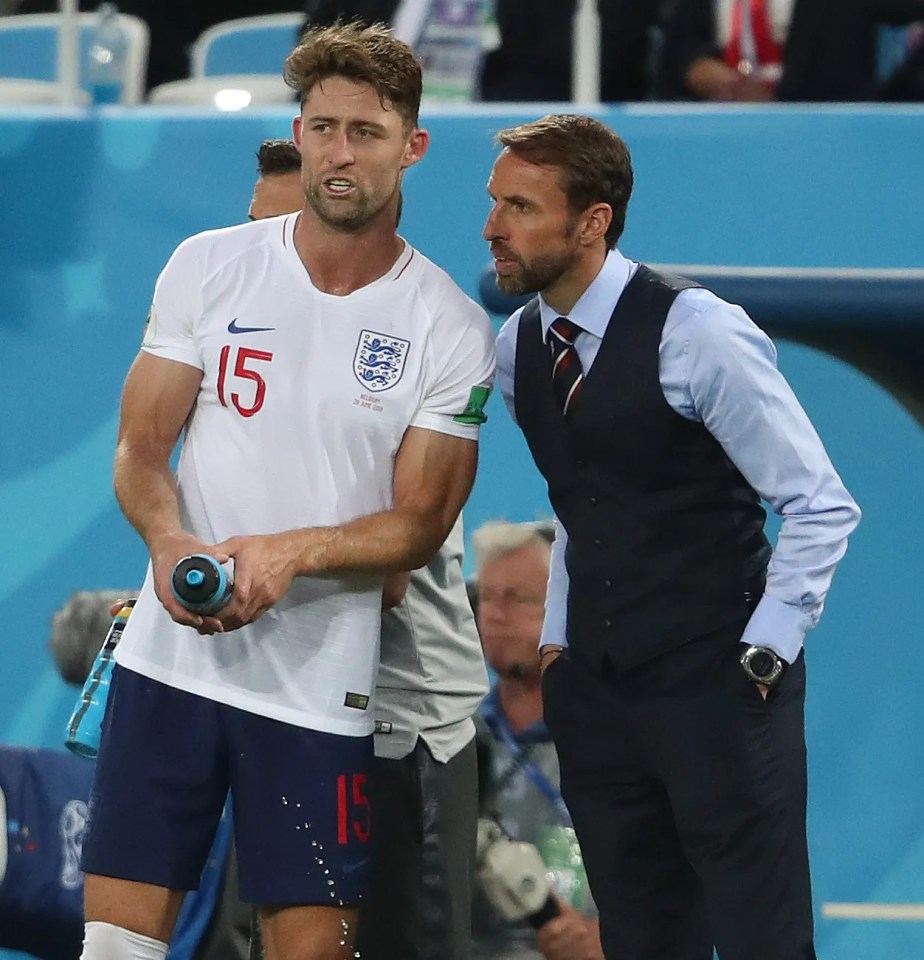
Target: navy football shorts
{"points": [[167, 761]]}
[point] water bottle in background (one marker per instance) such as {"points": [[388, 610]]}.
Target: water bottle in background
{"points": [[561, 854], [107, 56], [85, 725], [201, 584]]}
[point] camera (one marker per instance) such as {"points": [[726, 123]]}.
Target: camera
{"points": [[513, 877]]}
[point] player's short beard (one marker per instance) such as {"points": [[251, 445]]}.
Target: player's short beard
{"points": [[346, 217]]}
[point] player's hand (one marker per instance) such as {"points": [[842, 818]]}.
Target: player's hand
{"points": [[764, 690], [569, 936], [263, 570], [116, 607], [166, 552]]}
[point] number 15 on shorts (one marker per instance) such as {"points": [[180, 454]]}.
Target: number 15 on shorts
{"points": [[354, 811]]}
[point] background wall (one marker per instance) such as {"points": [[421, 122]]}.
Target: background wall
{"points": [[90, 208]]}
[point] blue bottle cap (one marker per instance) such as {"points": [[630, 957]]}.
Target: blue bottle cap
{"points": [[195, 578]]}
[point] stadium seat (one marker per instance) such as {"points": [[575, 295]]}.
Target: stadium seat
{"points": [[35, 92], [246, 45], [229, 92], [29, 51]]}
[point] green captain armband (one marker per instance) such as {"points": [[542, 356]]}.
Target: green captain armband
{"points": [[474, 410]]}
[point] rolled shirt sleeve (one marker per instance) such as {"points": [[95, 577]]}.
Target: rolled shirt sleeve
{"points": [[734, 387]]}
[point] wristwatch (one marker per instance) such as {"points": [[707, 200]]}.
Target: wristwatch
{"points": [[762, 665]]}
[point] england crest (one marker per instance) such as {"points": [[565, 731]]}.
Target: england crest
{"points": [[379, 360]]}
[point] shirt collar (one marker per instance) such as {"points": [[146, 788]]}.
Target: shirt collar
{"points": [[597, 303]]}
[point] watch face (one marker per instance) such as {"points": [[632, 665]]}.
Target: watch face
{"points": [[762, 663]]}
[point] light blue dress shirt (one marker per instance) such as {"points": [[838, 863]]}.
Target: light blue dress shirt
{"points": [[718, 368]]}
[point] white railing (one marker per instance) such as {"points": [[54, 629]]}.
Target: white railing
{"points": [[585, 53], [68, 51]]}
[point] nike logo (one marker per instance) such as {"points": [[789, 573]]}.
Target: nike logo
{"points": [[234, 328]]}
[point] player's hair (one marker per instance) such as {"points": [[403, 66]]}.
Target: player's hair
{"points": [[363, 53], [278, 156], [593, 162], [497, 538]]}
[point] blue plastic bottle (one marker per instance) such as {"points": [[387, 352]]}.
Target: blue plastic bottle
{"points": [[201, 584], [85, 725], [107, 57]]}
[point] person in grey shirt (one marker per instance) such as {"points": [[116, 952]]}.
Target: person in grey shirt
{"points": [[424, 793], [432, 677]]}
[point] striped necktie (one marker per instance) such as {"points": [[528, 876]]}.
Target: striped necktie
{"points": [[567, 375]]}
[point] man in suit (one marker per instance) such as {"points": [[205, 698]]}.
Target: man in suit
{"points": [[534, 58], [673, 674]]}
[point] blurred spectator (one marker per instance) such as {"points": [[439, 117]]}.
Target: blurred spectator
{"points": [[796, 50], [830, 52], [517, 755], [723, 49], [534, 59], [835, 54], [903, 79]]}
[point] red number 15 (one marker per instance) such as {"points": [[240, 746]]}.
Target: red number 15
{"points": [[242, 372], [360, 803]]}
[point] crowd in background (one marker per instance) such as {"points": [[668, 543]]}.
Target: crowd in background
{"points": [[805, 50]]}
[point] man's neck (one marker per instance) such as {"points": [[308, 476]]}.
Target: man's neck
{"points": [[520, 701], [340, 263], [562, 295]]}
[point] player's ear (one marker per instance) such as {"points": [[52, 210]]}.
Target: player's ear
{"points": [[416, 147], [297, 130]]}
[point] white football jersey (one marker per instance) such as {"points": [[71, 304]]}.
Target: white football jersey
{"points": [[305, 398]]}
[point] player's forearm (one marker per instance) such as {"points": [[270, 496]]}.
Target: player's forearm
{"points": [[381, 543], [146, 490]]}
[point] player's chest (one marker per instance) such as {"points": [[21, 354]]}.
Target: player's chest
{"points": [[296, 358]]}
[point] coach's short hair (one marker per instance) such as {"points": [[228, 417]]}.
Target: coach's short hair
{"points": [[593, 162]]}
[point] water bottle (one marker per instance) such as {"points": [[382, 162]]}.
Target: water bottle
{"points": [[201, 584], [107, 56], [83, 730], [561, 854]]}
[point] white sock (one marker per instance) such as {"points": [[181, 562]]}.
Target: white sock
{"points": [[105, 941]]}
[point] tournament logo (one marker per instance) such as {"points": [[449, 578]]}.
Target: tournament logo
{"points": [[72, 826], [379, 360]]}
